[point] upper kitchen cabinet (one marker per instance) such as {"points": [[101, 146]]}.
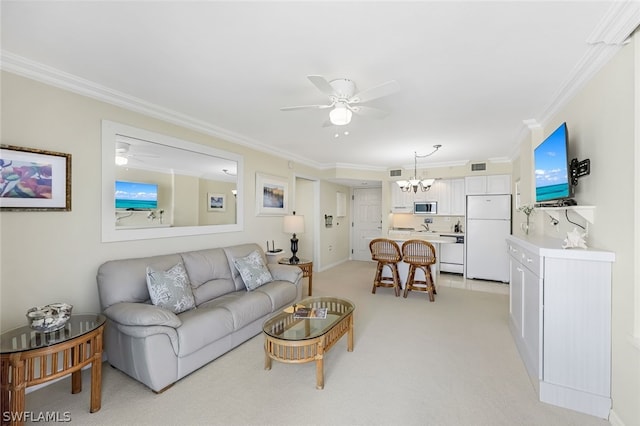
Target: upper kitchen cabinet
{"points": [[457, 189], [450, 195], [488, 184], [401, 202]]}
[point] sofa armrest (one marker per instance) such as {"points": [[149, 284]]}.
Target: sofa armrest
{"points": [[285, 273], [141, 314]]}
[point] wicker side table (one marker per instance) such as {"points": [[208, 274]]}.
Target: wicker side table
{"points": [[29, 358]]}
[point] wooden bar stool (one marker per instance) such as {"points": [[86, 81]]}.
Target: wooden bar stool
{"points": [[387, 253], [419, 254]]}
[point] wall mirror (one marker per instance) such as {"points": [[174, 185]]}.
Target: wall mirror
{"points": [[156, 186]]}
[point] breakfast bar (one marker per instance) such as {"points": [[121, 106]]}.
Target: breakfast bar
{"points": [[432, 237]]}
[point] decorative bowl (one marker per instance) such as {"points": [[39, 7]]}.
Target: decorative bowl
{"points": [[50, 317]]}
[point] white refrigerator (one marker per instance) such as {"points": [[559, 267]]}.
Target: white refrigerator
{"points": [[488, 225]]}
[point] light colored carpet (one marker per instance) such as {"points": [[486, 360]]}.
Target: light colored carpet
{"points": [[451, 362]]}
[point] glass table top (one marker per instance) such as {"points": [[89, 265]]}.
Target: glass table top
{"points": [[286, 327], [25, 338]]}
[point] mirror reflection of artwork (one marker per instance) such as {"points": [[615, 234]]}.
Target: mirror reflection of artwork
{"points": [[216, 202]]}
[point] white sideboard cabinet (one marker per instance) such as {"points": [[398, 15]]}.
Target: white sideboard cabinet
{"points": [[560, 318]]}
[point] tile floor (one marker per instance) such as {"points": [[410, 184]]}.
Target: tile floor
{"points": [[459, 281]]}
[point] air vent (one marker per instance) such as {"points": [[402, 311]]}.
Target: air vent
{"points": [[393, 173], [477, 167]]}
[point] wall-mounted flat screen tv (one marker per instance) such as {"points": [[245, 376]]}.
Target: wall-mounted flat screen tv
{"points": [[136, 195], [551, 164]]}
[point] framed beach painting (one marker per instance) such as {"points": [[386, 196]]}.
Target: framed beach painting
{"points": [[272, 195], [34, 179], [216, 202]]}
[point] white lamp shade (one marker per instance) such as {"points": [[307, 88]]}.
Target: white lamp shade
{"points": [[340, 115], [402, 183], [293, 224], [428, 182]]}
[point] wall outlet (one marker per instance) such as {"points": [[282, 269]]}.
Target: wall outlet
{"points": [[428, 220]]}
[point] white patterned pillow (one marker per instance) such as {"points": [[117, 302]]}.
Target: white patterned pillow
{"points": [[253, 271], [170, 289]]}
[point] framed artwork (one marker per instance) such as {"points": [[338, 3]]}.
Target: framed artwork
{"points": [[272, 195], [216, 202], [34, 179]]}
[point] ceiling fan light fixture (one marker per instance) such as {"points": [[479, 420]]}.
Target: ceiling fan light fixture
{"points": [[121, 161], [340, 115]]}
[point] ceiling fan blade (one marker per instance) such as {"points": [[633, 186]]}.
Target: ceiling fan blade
{"points": [[292, 108], [383, 89], [322, 84], [367, 111]]}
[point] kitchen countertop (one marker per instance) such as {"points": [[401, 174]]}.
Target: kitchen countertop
{"points": [[432, 237]]}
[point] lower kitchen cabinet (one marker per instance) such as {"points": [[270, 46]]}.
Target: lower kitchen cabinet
{"points": [[560, 317]]}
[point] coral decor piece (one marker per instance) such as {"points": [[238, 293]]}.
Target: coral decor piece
{"points": [[575, 239]]}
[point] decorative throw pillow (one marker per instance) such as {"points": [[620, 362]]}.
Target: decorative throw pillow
{"points": [[253, 271], [170, 289]]}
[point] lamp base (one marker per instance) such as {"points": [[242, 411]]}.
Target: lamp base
{"points": [[294, 250]]}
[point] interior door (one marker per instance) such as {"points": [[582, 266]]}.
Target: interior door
{"points": [[367, 221]]}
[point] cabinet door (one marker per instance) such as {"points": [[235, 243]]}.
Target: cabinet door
{"points": [[531, 309], [475, 185], [456, 191], [498, 184], [401, 202], [442, 194]]}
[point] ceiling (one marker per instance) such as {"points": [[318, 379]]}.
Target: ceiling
{"points": [[471, 74]]}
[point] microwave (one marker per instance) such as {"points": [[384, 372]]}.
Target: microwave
{"points": [[425, 207]]}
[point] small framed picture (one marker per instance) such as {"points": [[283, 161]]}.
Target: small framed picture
{"points": [[216, 202], [272, 194], [34, 179]]}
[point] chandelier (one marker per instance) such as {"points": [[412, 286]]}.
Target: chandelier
{"points": [[414, 183]]}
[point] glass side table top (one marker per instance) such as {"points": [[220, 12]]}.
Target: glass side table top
{"points": [[25, 338], [284, 326], [285, 261]]}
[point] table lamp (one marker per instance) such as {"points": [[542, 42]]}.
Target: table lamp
{"points": [[293, 224]]}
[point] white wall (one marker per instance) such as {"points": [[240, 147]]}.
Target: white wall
{"points": [[602, 121], [48, 257]]}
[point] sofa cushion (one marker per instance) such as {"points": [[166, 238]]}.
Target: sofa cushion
{"points": [[253, 270], [280, 293], [170, 289], [141, 314], [203, 326], [244, 307], [241, 250], [209, 272]]}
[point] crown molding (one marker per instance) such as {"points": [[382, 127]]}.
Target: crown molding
{"points": [[24, 67], [622, 19]]}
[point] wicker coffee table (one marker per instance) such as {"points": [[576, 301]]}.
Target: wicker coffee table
{"points": [[294, 340]]}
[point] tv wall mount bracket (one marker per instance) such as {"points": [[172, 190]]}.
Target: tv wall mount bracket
{"points": [[579, 169]]}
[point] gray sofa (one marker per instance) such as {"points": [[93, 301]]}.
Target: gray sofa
{"points": [[156, 346]]}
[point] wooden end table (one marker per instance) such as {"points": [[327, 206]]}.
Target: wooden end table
{"points": [[29, 357], [305, 265]]}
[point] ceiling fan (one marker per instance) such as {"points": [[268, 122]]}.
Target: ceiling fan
{"points": [[345, 101], [124, 152]]}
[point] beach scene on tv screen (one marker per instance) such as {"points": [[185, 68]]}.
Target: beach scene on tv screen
{"points": [[552, 181], [136, 195]]}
